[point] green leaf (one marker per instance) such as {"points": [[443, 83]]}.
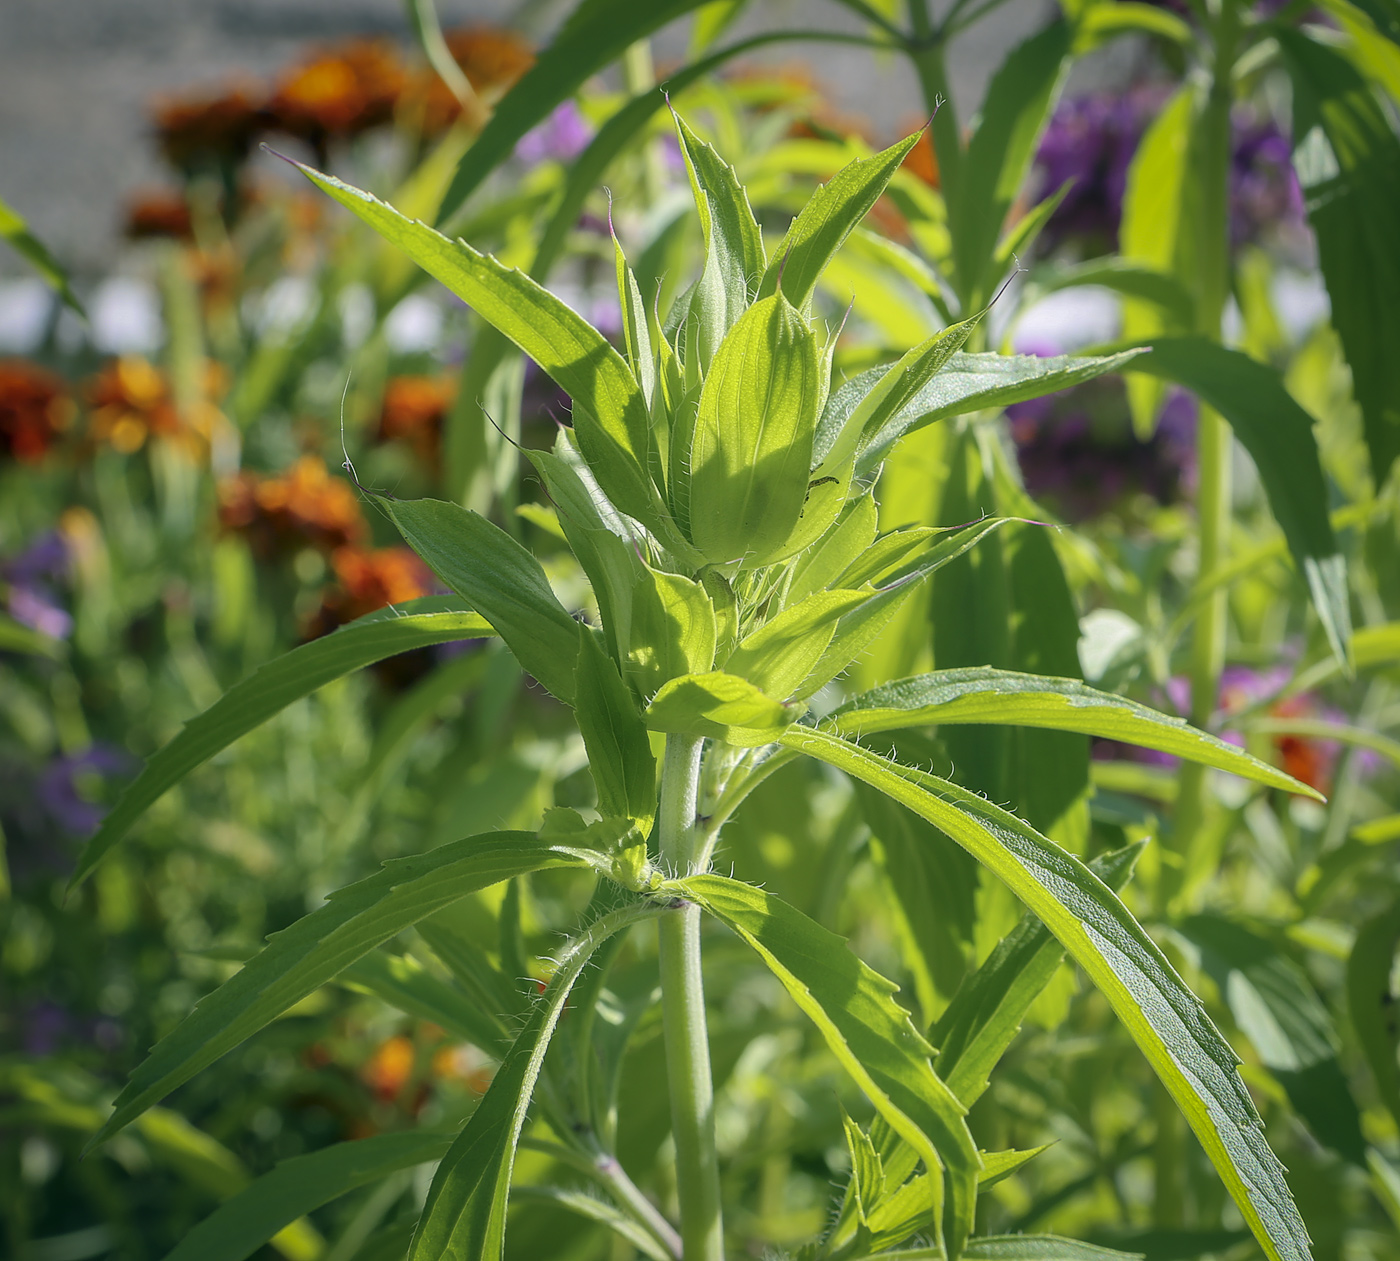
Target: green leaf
{"points": [[981, 694], [300, 959], [595, 1210], [779, 656], [1373, 1003], [636, 327], [1014, 113], [619, 752], [868, 1032], [1277, 1009], [16, 233], [721, 706], [1128, 278], [610, 414], [17, 637], [1165, 1019], [986, 1013], [828, 219], [242, 1224], [734, 259], [753, 436], [1347, 157], [1041, 1248], [867, 1173], [464, 1216], [967, 383], [270, 689], [997, 1166], [1278, 435], [495, 574], [1153, 231], [594, 35]]}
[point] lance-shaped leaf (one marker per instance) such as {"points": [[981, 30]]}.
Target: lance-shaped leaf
{"points": [[968, 383], [1041, 1248], [595, 35], [16, 233], [752, 451], [993, 173], [868, 1032], [1347, 157], [721, 706], [985, 1015], [1278, 435], [837, 550], [270, 689], [1275, 1006], [1166, 1020], [610, 414], [619, 752], [828, 219], [734, 259], [464, 1216], [294, 1187], [300, 959], [491, 571], [981, 694]]}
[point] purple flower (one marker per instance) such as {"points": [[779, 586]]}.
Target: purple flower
{"points": [[1264, 195], [30, 599], [61, 784], [1077, 450], [561, 137]]}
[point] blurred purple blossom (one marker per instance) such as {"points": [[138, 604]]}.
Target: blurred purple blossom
{"points": [[30, 598], [1078, 452], [1091, 140], [60, 786], [561, 137]]}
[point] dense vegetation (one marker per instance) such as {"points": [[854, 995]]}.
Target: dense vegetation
{"points": [[632, 721]]}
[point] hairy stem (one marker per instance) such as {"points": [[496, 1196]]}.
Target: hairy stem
{"points": [[683, 1015]]}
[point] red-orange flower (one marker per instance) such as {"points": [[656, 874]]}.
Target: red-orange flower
{"points": [[922, 160], [200, 131], [35, 409], [305, 505], [414, 410], [157, 214], [389, 1068], [373, 579], [343, 92]]}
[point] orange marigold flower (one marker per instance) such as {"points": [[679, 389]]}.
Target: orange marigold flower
{"points": [[304, 505], [413, 412], [198, 131], [1305, 758], [373, 579], [492, 59], [922, 160], [343, 92], [35, 409], [388, 1070], [157, 214], [131, 400]]}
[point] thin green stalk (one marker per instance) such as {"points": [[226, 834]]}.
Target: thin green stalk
{"points": [[926, 52], [683, 1015]]}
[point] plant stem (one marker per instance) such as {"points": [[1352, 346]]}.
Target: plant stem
{"points": [[683, 1015], [926, 52]]}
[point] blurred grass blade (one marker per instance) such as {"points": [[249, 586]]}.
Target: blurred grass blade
{"points": [[985, 1015], [1278, 435], [1166, 1020], [593, 36], [15, 231], [491, 571], [465, 1212], [1372, 1000], [294, 1187], [853, 1008], [270, 689], [300, 959], [981, 694], [1347, 158]]}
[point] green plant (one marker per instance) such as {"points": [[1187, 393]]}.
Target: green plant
{"points": [[717, 494]]}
